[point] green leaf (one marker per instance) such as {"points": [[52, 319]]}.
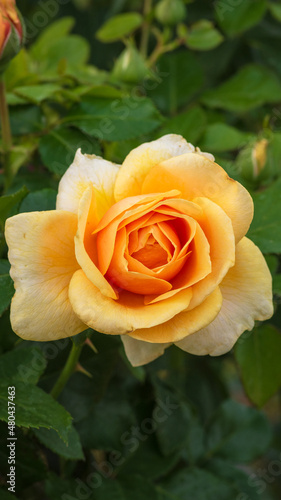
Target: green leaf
{"points": [[119, 26], [55, 31], [238, 433], [71, 52], [252, 86], [114, 120], [175, 422], [45, 199], [24, 364], [135, 486], [58, 148], [222, 137], [265, 228], [190, 124], [6, 292], [5, 495], [34, 408], [50, 439], [198, 484], [258, 355], [235, 477], [26, 120], [203, 36], [179, 77], [37, 93], [239, 17], [277, 284], [275, 10], [21, 154], [148, 461], [8, 202]]}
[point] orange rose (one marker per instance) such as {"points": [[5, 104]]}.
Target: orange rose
{"points": [[153, 251]]}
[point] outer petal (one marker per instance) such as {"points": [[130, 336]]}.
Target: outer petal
{"points": [[41, 251], [185, 323], [87, 170], [141, 159], [196, 176], [139, 352], [121, 316], [247, 296]]}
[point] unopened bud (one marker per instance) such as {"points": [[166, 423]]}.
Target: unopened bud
{"points": [[170, 12], [11, 32], [130, 66]]}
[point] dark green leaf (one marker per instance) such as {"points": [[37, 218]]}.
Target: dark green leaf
{"points": [[8, 202], [238, 433], [179, 77], [6, 292], [252, 86], [235, 477], [234, 18], [136, 487], [26, 120], [265, 228], [35, 408], [50, 438], [258, 355], [190, 124], [203, 36], [23, 364], [119, 26], [58, 148], [198, 484], [39, 201], [115, 120], [275, 10]]}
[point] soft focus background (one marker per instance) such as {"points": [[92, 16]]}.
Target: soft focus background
{"points": [[183, 426]]}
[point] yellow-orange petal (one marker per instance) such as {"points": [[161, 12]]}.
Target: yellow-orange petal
{"points": [[247, 296], [124, 315], [140, 353], [196, 176], [184, 323], [87, 170], [217, 227], [41, 252], [132, 281], [85, 244], [141, 159]]}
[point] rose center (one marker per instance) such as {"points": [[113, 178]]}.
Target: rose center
{"points": [[152, 254]]}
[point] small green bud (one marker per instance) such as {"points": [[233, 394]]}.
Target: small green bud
{"points": [[170, 12], [130, 66]]}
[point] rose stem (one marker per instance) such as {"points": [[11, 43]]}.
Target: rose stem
{"points": [[67, 371], [6, 133], [145, 29]]}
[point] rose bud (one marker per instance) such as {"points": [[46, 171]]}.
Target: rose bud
{"points": [[130, 66], [170, 12], [11, 31]]}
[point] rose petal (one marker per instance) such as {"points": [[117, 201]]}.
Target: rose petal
{"points": [[247, 296], [141, 159], [196, 176], [41, 251], [85, 244], [140, 353], [184, 323], [87, 170], [124, 315]]}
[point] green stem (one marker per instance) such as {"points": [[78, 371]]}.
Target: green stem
{"points": [[145, 29], [6, 133], [67, 371]]}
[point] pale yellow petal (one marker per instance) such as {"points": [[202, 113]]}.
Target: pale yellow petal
{"points": [[140, 353], [141, 159], [247, 296], [41, 251], [87, 170], [197, 176], [184, 323], [124, 315]]}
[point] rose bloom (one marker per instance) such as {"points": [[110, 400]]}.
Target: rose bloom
{"points": [[9, 20], [153, 250]]}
